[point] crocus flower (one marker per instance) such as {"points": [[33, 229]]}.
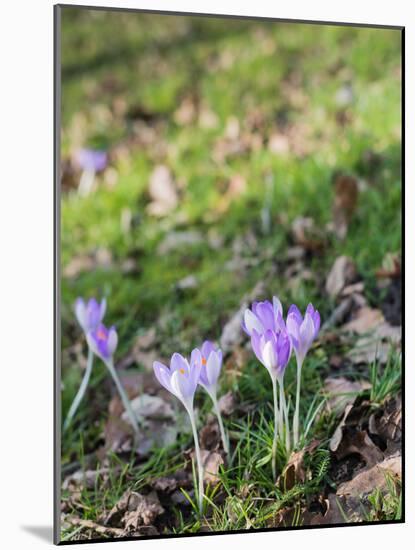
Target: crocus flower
{"points": [[302, 331], [181, 379], [211, 365], [264, 316], [273, 349], [90, 314], [103, 341], [92, 160]]}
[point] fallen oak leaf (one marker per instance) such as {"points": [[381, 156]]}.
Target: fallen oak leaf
{"points": [[359, 442], [294, 471], [342, 273]]}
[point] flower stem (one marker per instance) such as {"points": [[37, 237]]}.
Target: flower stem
{"points": [[283, 404], [297, 402], [224, 437], [198, 461], [274, 442], [81, 391], [126, 402]]}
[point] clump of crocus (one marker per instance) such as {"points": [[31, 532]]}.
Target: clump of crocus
{"points": [[211, 365], [272, 340], [181, 379], [90, 161], [272, 346], [302, 333], [89, 315], [103, 343]]}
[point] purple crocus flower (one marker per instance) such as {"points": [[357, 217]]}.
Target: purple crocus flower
{"points": [[264, 316], [302, 331], [273, 349], [92, 160], [211, 364], [90, 314], [181, 378], [103, 342]]}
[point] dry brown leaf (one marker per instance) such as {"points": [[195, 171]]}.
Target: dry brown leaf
{"points": [[342, 274], [306, 234], [176, 240], [210, 436], [134, 510], [366, 481], [226, 403], [366, 319], [358, 442], [211, 461], [344, 203], [294, 471]]}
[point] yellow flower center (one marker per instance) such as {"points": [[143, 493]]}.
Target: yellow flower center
{"points": [[181, 371]]}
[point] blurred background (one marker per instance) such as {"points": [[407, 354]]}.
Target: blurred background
{"points": [[208, 161]]}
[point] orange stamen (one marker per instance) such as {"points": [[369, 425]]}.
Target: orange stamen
{"points": [[101, 335], [181, 371], [204, 361]]}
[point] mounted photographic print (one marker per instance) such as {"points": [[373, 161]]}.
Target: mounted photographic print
{"points": [[228, 274]]}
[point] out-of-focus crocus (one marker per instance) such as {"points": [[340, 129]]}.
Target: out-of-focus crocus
{"points": [[181, 379], [264, 316], [302, 332], [90, 314], [211, 365], [92, 160], [103, 342]]}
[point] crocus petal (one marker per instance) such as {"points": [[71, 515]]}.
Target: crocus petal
{"points": [[103, 308], [277, 306], [207, 348], [179, 362], [80, 312], [195, 366], [112, 341], [316, 321], [252, 322], [268, 356], [182, 388], [256, 344], [293, 327], [293, 310], [213, 367], [265, 313], [306, 333], [162, 374]]}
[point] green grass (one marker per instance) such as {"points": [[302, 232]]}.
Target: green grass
{"points": [[287, 76]]}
